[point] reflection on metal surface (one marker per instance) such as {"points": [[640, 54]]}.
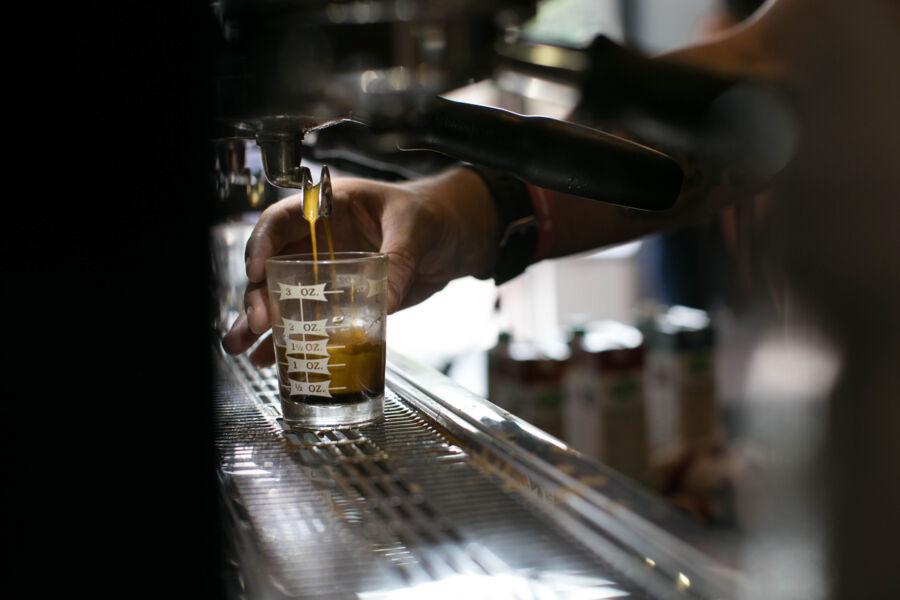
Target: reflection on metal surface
{"points": [[505, 587], [545, 55], [791, 377], [798, 368], [616, 515], [440, 498]]}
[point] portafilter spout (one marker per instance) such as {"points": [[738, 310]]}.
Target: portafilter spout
{"points": [[325, 197], [280, 140], [316, 201]]}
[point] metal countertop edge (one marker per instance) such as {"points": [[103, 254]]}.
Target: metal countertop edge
{"points": [[590, 515]]}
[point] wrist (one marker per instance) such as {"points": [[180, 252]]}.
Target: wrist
{"points": [[541, 200], [516, 232], [475, 221]]}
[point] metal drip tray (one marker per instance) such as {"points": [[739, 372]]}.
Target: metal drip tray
{"points": [[447, 497]]}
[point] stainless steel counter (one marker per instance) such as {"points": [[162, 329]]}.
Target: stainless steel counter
{"points": [[449, 496]]}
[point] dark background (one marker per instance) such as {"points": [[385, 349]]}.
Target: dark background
{"points": [[108, 478]]}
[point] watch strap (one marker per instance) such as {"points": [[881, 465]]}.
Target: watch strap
{"points": [[517, 231]]}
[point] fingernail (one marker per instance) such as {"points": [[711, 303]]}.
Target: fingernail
{"points": [[257, 328], [250, 272], [228, 338], [393, 297], [237, 323]]}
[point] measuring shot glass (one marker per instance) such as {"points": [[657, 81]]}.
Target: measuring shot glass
{"points": [[328, 326]]}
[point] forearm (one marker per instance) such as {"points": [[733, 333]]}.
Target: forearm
{"points": [[566, 224], [570, 225], [758, 50]]}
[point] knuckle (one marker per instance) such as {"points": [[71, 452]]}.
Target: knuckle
{"points": [[402, 259]]}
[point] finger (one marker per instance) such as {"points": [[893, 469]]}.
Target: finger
{"points": [[279, 225], [239, 338], [399, 247], [256, 307], [264, 354], [401, 270]]}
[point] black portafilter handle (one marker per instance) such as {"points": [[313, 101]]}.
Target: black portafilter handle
{"points": [[740, 125], [719, 122], [549, 153]]}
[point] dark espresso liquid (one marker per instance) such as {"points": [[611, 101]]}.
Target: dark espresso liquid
{"points": [[355, 370]]}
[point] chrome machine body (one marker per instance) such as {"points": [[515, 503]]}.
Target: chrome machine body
{"points": [[448, 497]]}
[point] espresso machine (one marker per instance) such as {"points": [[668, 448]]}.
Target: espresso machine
{"points": [[450, 495], [362, 84]]}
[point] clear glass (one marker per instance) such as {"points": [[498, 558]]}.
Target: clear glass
{"points": [[328, 326]]}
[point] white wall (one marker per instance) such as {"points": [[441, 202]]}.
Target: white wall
{"points": [[667, 24]]}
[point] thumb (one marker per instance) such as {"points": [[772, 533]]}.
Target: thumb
{"points": [[402, 262]]}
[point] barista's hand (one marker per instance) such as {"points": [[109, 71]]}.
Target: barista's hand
{"points": [[433, 230]]}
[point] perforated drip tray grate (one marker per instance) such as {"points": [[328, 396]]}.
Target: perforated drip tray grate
{"points": [[402, 508]]}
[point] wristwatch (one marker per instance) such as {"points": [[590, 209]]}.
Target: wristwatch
{"points": [[517, 230]]}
